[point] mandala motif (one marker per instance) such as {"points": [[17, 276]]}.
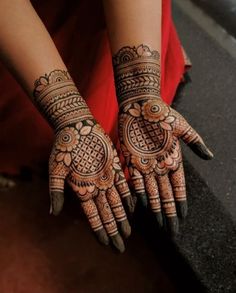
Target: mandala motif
{"points": [[149, 145], [82, 155], [154, 111], [144, 138], [91, 157], [92, 166], [149, 132], [68, 139], [144, 165]]}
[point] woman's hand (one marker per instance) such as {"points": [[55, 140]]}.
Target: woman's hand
{"points": [[84, 156], [149, 132]]}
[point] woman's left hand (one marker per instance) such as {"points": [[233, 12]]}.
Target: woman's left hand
{"points": [[149, 132]]}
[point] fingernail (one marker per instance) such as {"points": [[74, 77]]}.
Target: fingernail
{"points": [[172, 225], [57, 201], [130, 203], [125, 228], [210, 153], [143, 200], [182, 208], [102, 236], [159, 219], [118, 242], [50, 210]]}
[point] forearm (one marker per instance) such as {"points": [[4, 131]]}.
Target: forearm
{"points": [[25, 45], [29, 52], [131, 23], [135, 38]]}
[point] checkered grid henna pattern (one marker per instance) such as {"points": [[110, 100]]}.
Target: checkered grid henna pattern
{"points": [[146, 136], [91, 156], [83, 156]]}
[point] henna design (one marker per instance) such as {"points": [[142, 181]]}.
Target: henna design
{"points": [[91, 212], [116, 204], [57, 97], [137, 72], [149, 131], [166, 194], [84, 156], [145, 133], [153, 192], [106, 214], [178, 183]]}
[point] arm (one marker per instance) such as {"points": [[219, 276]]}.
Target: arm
{"points": [[82, 153], [149, 130]]}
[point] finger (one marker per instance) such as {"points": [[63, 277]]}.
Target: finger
{"points": [[177, 180], [153, 196], [117, 208], [168, 203], [194, 140], [139, 186], [123, 189], [56, 187], [108, 220], [57, 175], [93, 217]]}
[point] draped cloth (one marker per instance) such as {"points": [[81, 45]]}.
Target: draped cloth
{"points": [[79, 31]]}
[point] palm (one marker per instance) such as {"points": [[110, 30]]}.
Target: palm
{"points": [[84, 156], [149, 133]]}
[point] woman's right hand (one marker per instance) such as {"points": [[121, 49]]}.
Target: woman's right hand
{"points": [[84, 156]]}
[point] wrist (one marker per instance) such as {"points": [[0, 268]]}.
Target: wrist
{"points": [[137, 74], [59, 100]]}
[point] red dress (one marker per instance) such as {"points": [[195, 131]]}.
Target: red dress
{"points": [[79, 31]]}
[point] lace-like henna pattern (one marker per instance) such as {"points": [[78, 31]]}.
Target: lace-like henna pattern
{"points": [[82, 154], [137, 72], [59, 100], [149, 131], [145, 133]]}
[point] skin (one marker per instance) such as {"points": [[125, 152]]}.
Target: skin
{"points": [[35, 60], [99, 183], [149, 130], [130, 24]]}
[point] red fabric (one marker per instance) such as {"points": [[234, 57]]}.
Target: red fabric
{"points": [[78, 29]]}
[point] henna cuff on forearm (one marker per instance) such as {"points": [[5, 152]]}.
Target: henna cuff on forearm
{"points": [[58, 99], [137, 73]]}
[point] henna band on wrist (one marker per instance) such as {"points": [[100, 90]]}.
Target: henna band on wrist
{"points": [[58, 99], [137, 73]]}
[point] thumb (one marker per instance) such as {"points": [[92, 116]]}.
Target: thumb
{"points": [[195, 142], [190, 137]]}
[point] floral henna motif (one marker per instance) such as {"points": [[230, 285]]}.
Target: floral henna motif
{"points": [[84, 156], [57, 97], [149, 132], [145, 133]]}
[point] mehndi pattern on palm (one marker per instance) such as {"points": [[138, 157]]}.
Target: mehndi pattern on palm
{"points": [[149, 132], [84, 156]]}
